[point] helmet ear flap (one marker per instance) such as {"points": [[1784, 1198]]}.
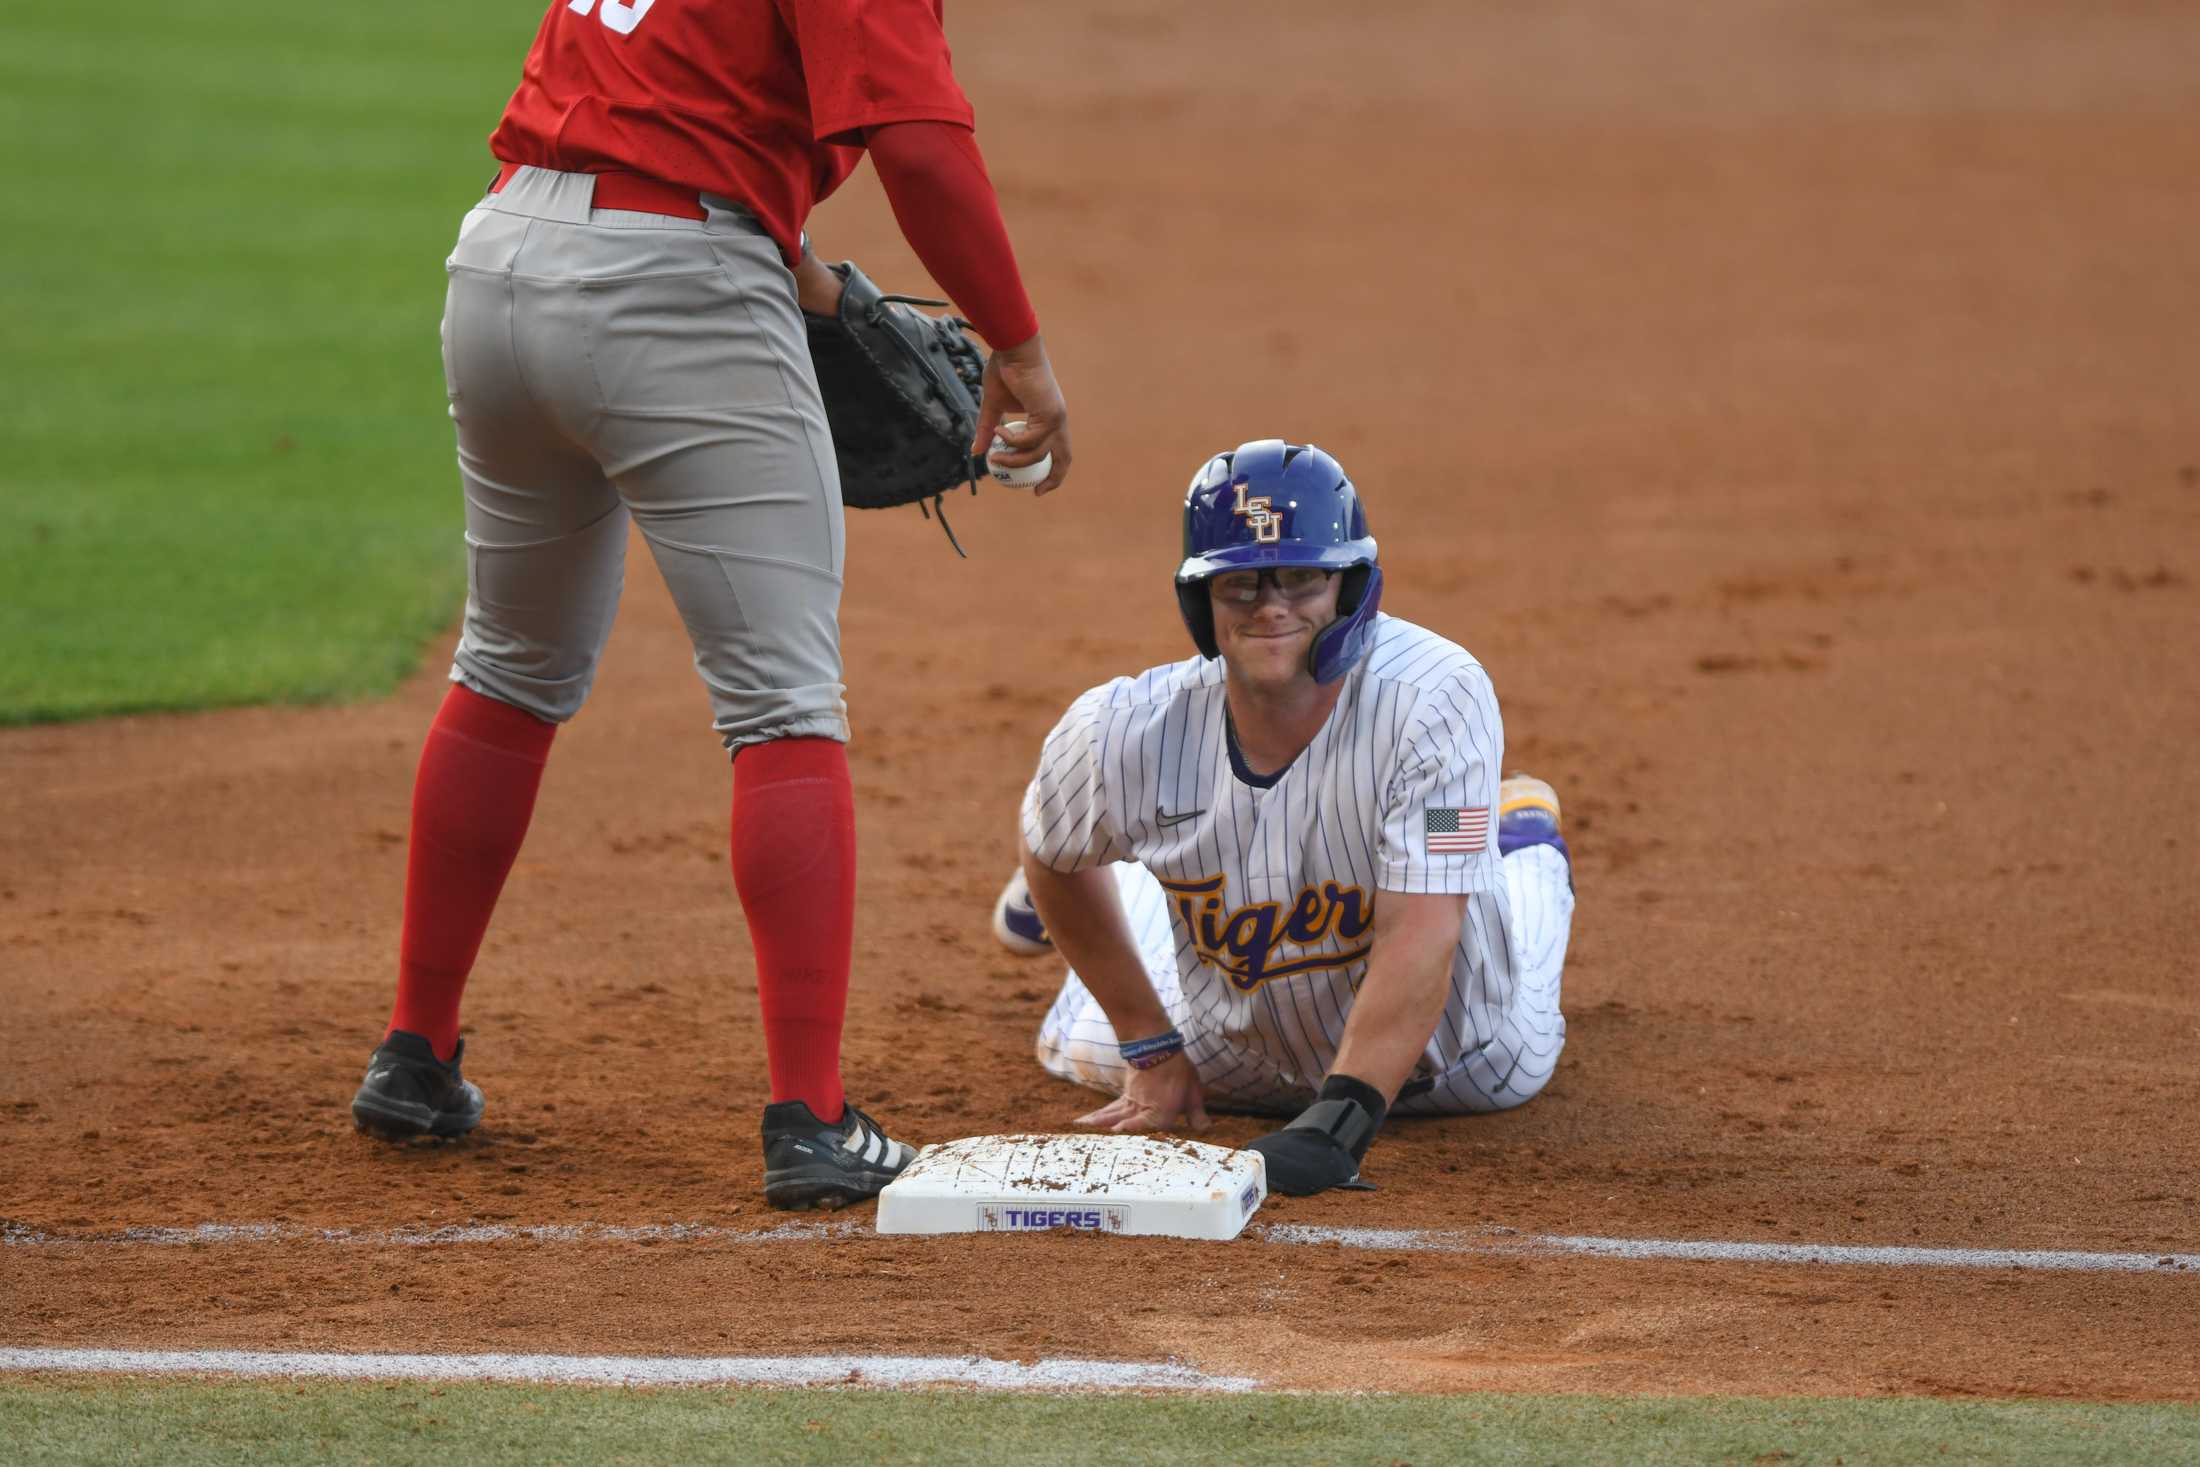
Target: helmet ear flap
{"points": [[1341, 644], [1354, 589], [1199, 616]]}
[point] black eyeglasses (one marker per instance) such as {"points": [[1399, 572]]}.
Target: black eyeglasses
{"points": [[1292, 583]]}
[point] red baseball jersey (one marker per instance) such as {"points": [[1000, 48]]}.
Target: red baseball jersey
{"points": [[763, 101]]}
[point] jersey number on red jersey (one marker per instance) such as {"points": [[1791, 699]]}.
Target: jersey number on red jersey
{"points": [[621, 15]]}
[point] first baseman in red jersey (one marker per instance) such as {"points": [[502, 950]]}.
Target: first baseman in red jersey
{"points": [[623, 341]]}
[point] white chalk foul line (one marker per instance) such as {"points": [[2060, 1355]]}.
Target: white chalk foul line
{"points": [[1424, 1240], [1697, 1251], [16, 1235], [632, 1370]]}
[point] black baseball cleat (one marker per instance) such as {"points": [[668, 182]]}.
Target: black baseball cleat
{"points": [[810, 1164], [408, 1092]]}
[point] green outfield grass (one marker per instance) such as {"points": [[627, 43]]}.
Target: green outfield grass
{"points": [[181, 1423], [228, 473]]}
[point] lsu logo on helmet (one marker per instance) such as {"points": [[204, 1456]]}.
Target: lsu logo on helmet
{"points": [[1265, 523]]}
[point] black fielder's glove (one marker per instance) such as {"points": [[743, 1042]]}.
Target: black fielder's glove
{"points": [[1324, 1146], [901, 392]]}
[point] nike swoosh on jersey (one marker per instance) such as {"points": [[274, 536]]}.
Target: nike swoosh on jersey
{"points": [[1164, 818]]}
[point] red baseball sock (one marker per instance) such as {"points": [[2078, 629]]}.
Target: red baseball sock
{"points": [[794, 866], [472, 800]]}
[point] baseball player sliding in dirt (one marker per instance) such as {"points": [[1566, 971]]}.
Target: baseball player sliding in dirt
{"points": [[1271, 867], [624, 339]]}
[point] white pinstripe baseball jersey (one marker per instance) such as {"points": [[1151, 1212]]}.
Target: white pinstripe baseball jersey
{"points": [[1271, 886]]}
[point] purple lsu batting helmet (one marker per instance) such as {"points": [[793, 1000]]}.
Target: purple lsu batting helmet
{"points": [[1272, 503]]}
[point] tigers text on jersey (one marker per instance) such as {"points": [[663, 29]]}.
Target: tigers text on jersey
{"points": [[763, 101], [1274, 886]]}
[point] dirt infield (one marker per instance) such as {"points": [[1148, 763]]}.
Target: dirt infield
{"points": [[1796, 415]]}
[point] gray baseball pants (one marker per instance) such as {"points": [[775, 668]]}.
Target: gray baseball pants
{"points": [[602, 366]]}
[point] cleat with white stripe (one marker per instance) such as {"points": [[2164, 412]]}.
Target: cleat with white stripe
{"points": [[1016, 922], [808, 1163]]}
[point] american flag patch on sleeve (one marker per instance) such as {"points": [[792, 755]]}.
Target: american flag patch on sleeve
{"points": [[1458, 830]]}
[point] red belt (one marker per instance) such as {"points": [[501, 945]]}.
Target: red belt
{"points": [[636, 192]]}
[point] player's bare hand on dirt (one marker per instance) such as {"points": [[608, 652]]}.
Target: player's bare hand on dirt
{"points": [[1019, 382], [1163, 1098]]}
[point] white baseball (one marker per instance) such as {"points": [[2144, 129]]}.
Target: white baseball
{"points": [[1030, 476]]}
